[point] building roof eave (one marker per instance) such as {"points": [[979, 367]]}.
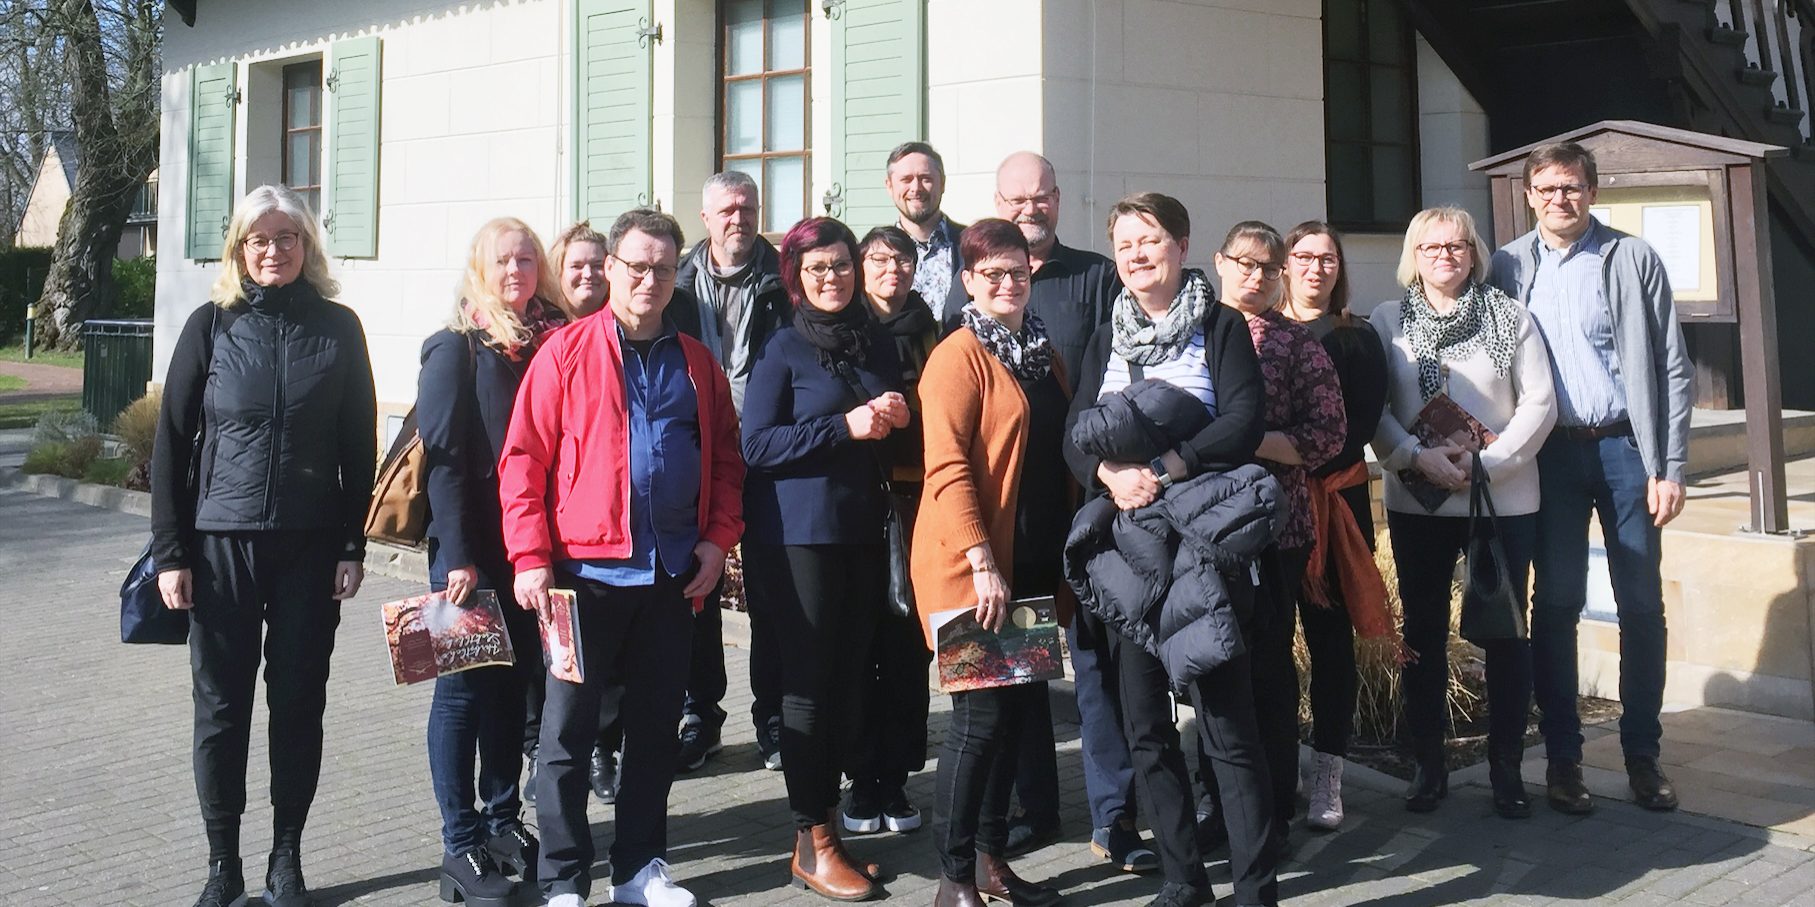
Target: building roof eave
{"points": [[185, 9]]}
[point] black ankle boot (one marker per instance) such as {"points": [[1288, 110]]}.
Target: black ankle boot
{"points": [[473, 878], [515, 851], [1510, 801], [284, 885], [226, 885], [1430, 778]]}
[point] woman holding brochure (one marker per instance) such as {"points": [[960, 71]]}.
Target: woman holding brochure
{"points": [[508, 302], [993, 516]]}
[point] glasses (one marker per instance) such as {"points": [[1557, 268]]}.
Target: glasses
{"points": [[1042, 200], [1305, 261], [1445, 249], [998, 276], [882, 260], [642, 269], [1267, 269], [1569, 191], [842, 268], [282, 242]]}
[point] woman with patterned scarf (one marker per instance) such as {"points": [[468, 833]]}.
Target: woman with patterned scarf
{"points": [[508, 302], [993, 516], [1167, 325], [1453, 335]]}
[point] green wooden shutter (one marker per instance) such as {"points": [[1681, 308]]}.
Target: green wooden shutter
{"points": [[878, 101], [614, 155], [213, 100], [351, 220]]}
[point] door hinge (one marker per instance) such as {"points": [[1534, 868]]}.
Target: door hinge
{"points": [[647, 32], [833, 200]]}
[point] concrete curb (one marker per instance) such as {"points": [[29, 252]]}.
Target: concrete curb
{"points": [[104, 496]]}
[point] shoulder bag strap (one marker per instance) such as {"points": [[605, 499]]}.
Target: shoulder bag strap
{"points": [[859, 395]]}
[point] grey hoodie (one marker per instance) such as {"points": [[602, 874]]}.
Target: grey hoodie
{"points": [[1654, 364]]}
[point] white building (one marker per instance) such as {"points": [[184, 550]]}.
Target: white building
{"points": [[412, 122]]}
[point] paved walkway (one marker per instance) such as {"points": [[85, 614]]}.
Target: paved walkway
{"points": [[95, 772], [42, 380]]}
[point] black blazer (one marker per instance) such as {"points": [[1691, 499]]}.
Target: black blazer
{"points": [[464, 396], [1231, 438]]}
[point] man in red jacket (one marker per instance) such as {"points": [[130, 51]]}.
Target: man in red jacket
{"points": [[621, 479]]}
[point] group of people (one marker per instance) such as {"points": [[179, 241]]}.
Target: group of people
{"points": [[1176, 458]]}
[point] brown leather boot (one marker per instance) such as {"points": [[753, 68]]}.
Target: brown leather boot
{"points": [[996, 881], [953, 893], [872, 871], [820, 864]]}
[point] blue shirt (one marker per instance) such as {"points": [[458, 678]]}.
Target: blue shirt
{"points": [[1569, 303], [664, 466]]}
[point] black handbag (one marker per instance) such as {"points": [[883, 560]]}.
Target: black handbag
{"points": [[896, 527], [1492, 608], [143, 617]]}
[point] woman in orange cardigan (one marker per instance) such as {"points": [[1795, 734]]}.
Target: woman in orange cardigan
{"points": [[991, 528]]}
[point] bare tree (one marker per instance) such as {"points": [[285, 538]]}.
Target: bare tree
{"points": [[34, 103], [110, 55]]}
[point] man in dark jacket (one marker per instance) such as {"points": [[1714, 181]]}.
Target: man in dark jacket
{"points": [[728, 294]]}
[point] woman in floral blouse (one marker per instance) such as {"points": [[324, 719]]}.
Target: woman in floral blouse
{"points": [[1305, 428]]}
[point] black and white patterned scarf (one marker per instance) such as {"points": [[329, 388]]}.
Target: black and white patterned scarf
{"points": [[1484, 319], [1140, 340], [1026, 353]]}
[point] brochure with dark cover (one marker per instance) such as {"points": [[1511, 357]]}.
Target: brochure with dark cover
{"points": [[1024, 651], [560, 624], [429, 635], [1442, 421]]}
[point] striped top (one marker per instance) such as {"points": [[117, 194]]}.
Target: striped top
{"points": [[1189, 371]]}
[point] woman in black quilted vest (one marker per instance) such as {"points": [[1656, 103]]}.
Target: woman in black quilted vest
{"points": [[260, 478]]}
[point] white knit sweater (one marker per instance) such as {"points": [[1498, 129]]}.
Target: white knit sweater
{"points": [[1520, 408]]}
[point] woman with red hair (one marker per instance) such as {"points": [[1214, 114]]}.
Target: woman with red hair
{"points": [[822, 396]]}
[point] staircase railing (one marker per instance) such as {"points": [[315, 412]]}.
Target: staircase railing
{"points": [[1780, 40]]}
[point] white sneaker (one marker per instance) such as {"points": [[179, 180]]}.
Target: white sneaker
{"points": [[1326, 792], [566, 900], [652, 887]]}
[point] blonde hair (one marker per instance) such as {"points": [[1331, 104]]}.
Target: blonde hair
{"points": [[501, 324], [1430, 217], [228, 290], [581, 232]]}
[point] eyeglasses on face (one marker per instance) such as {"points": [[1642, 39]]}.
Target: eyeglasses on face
{"points": [[1042, 200], [841, 267], [998, 276], [885, 260], [1306, 261], [642, 269], [282, 242], [1267, 269], [1455, 249], [1569, 191]]}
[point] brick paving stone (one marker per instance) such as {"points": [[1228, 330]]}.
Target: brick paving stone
{"points": [[95, 767]]}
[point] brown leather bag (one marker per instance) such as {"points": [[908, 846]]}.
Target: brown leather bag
{"points": [[399, 512]]}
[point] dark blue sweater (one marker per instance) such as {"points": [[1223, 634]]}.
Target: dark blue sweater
{"points": [[799, 449], [464, 397]]}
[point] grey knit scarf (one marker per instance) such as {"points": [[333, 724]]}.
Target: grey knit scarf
{"points": [[1142, 341]]}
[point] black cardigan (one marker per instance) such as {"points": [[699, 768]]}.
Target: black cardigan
{"points": [[1231, 438], [464, 395]]}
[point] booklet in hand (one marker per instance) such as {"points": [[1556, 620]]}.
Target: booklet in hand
{"points": [[560, 624], [429, 635], [1442, 421], [1025, 650]]}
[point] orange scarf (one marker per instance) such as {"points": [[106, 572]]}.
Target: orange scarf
{"points": [[1340, 540]]}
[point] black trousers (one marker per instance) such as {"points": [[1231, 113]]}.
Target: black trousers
{"points": [[765, 648], [1330, 640], [278, 584], [823, 602], [1426, 548], [1275, 681], [633, 638], [1224, 700], [892, 741], [706, 679], [977, 770]]}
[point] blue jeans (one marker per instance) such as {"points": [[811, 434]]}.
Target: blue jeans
{"points": [[1108, 770], [480, 713], [1605, 477]]}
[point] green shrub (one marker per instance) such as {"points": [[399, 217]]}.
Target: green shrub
{"points": [[70, 459], [137, 426], [64, 426], [137, 280], [108, 471]]}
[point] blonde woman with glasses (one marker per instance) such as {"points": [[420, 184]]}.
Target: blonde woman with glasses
{"points": [[266, 447]]}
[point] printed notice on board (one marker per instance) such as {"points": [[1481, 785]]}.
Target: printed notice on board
{"points": [[1675, 232]]}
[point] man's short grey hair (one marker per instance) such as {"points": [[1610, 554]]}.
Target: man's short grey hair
{"points": [[730, 180]]}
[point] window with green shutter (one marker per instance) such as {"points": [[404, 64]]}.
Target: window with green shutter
{"points": [[213, 101], [878, 101], [351, 219], [614, 155]]}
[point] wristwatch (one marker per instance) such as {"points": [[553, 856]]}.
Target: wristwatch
{"points": [[1161, 472]]}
